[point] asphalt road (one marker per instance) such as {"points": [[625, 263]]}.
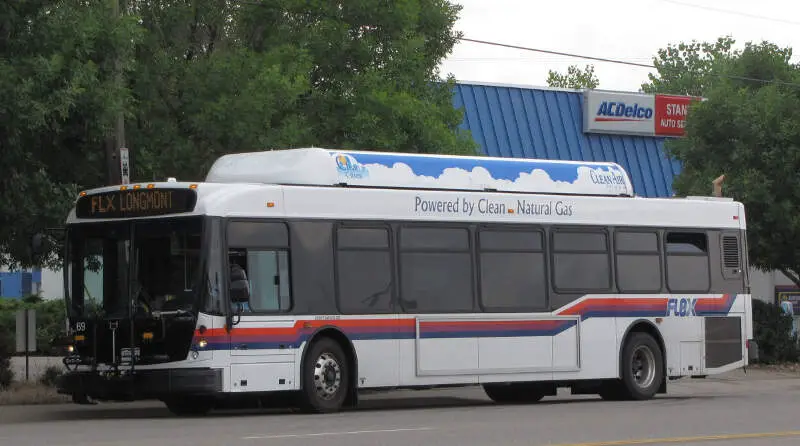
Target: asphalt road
{"points": [[759, 409]]}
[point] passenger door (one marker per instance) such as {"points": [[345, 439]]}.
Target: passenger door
{"points": [[263, 340]]}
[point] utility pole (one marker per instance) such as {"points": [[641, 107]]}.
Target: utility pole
{"points": [[117, 140]]}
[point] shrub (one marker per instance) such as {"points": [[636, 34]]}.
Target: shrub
{"points": [[6, 374], [772, 330], [50, 317], [50, 376]]}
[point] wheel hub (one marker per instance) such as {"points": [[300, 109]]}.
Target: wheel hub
{"points": [[643, 366], [327, 376]]}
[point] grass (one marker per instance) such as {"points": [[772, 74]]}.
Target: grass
{"points": [[31, 393]]}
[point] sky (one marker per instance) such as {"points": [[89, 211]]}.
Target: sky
{"points": [[629, 30]]}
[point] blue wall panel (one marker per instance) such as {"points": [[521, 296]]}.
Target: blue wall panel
{"points": [[17, 284], [540, 123]]}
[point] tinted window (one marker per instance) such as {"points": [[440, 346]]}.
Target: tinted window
{"points": [[638, 273], [638, 262], [512, 269], [434, 239], [636, 242], [513, 280], [436, 282], [579, 241], [580, 261], [687, 243], [496, 240], [687, 262], [258, 234], [436, 273], [362, 238], [687, 274], [364, 281], [581, 272], [363, 270]]}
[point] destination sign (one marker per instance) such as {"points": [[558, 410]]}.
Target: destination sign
{"points": [[136, 203]]}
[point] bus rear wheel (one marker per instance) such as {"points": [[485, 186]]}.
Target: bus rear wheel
{"points": [[326, 377], [642, 370], [516, 393]]}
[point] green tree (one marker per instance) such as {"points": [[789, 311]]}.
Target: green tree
{"points": [[374, 77], [203, 78], [57, 102], [747, 130], [689, 68], [575, 77]]}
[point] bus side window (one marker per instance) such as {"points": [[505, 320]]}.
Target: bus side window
{"points": [[267, 275], [262, 250]]}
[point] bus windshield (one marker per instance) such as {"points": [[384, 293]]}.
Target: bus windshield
{"points": [[122, 269]]}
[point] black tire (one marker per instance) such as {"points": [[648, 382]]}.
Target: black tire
{"points": [[325, 377], [514, 393], [642, 367], [191, 406]]}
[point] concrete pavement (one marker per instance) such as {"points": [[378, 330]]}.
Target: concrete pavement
{"points": [[760, 408]]}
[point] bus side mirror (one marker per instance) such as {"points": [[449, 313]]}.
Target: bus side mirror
{"points": [[240, 288], [240, 291]]}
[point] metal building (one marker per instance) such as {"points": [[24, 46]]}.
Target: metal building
{"points": [[528, 122]]}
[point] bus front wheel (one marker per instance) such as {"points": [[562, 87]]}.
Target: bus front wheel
{"points": [[326, 377]]}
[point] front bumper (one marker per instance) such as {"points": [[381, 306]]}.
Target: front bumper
{"points": [[141, 384]]}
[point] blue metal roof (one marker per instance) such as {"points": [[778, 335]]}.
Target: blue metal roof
{"points": [[519, 122]]}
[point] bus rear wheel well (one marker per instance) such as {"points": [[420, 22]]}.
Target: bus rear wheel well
{"points": [[647, 327], [352, 361]]}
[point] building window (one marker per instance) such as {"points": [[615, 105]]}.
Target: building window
{"points": [[363, 270], [436, 272], [512, 270], [638, 262], [687, 262], [581, 261]]}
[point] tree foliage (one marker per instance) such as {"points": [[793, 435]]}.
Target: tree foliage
{"points": [[57, 102], [201, 78], [575, 78], [772, 330], [689, 68], [747, 129]]}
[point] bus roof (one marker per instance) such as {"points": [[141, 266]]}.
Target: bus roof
{"points": [[323, 167]]}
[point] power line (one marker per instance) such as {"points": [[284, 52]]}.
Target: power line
{"points": [[728, 11], [623, 62], [558, 53]]}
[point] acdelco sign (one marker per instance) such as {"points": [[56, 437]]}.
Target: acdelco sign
{"points": [[634, 114], [619, 113], [610, 111]]}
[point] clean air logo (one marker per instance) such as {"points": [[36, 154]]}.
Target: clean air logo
{"points": [[610, 111]]}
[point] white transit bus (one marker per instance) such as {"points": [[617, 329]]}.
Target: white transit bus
{"points": [[316, 273]]}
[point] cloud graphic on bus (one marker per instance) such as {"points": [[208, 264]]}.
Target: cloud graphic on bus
{"points": [[587, 179]]}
